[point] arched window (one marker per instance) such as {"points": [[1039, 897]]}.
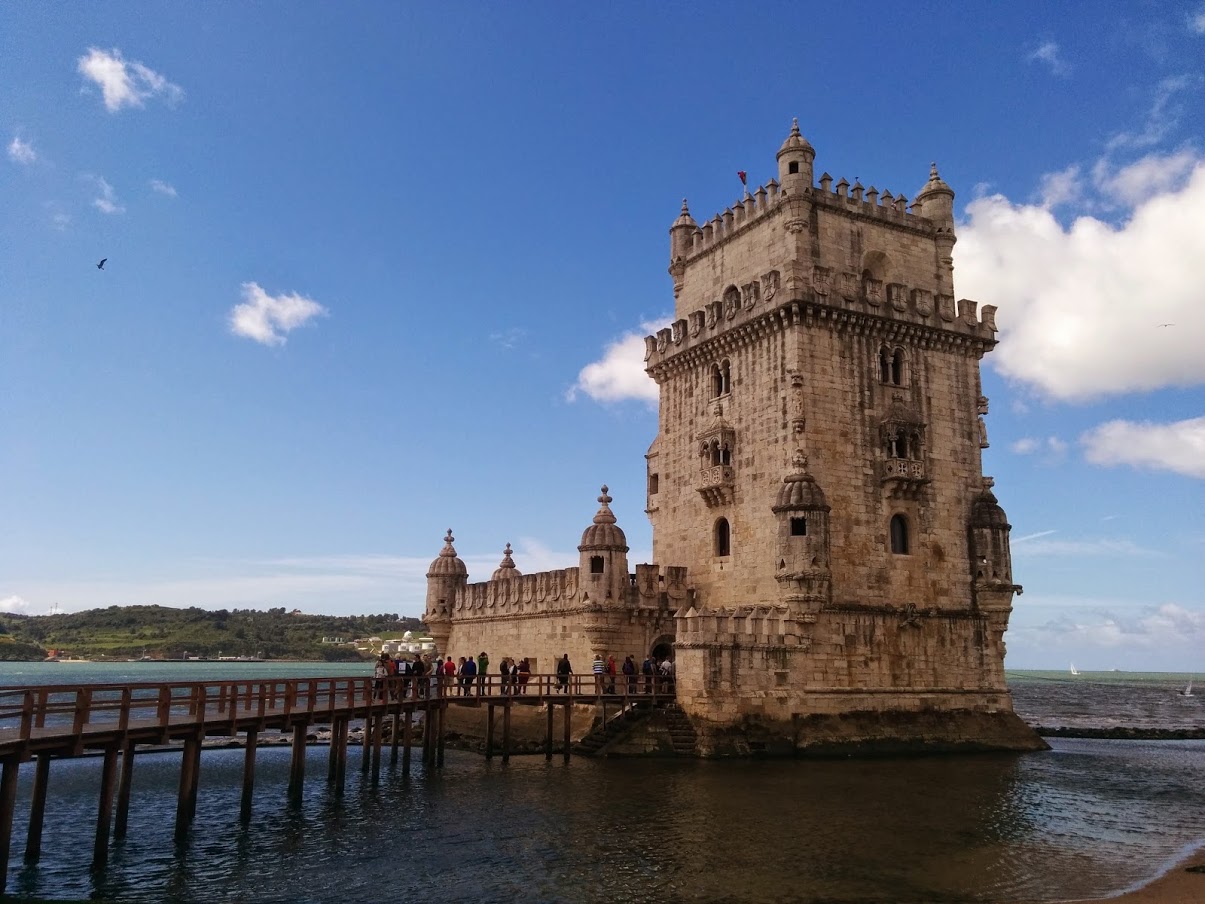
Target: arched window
{"points": [[884, 365], [721, 379], [899, 535], [723, 538], [596, 564], [897, 367]]}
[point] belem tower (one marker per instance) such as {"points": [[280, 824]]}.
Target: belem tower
{"points": [[832, 567]]}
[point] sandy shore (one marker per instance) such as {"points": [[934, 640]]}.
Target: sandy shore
{"points": [[1178, 886]]}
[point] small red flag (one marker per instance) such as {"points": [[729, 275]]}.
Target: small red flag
{"points": [[742, 175]]}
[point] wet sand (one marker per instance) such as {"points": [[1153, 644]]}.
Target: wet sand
{"points": [[1175, 887]]}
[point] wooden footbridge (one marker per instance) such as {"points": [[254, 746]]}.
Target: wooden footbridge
{"points": [[50, 722]]}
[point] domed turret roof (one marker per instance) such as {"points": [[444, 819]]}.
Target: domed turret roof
{"points": [[935, 185], [684, 218], [799, 491], [507, 569], [795, 141], [447, 563], [604, 532], [986, 511]]}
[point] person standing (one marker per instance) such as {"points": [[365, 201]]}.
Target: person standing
{"points": [[524, 674], [563, 671], [483, 662], [504, 675], [647, 669], [629, 671], [600, 671], [611, 670]]}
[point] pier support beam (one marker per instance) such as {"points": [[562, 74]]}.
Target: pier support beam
{"points": [[489, 732], [332, 757], [104, 809], [407, 715], [124, 779], [506, 732], [548, 733], [244, 812], [8, 800], [37, 808], [297, 765], [395, 736], [568, 712], [439, 755], [341, 763], [186, 800], [378, 728]]}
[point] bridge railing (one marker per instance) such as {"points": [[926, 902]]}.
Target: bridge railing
{"points": [[27, 712]]}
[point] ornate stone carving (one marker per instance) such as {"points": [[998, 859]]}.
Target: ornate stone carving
{"points": [[822, 280], [922, 300], [750, 293], [769, 282], [696, 323], [897, 296]]}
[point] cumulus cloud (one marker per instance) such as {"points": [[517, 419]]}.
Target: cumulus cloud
{"points": [[1166, 627], [1196, 22], [21, 151], [14, 604], [1080, 305], [1178, 447], [106, 198], [266, 318], [1154, 174], [1162, 117], [1037, 545], [619, 374], [125, 83], [1064, 187], [1048, 53], [163, 188], [1051, 445]]}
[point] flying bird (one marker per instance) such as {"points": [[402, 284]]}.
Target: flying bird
{"points": [[101, 265], [1166, 324]]}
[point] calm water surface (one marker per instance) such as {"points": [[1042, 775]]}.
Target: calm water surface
{"points": [[1088, 818]]}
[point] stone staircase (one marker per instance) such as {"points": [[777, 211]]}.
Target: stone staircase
{"points": [[681, 732], [600, 736]]}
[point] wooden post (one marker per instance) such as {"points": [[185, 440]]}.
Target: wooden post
{"points": [[341, 764], [104, 810], [332, 758], [568, 712], [37, 808], [378, 729], [124, 779], [395, 736], [8, 800], [297, 764], [548, 733], [439, 750], [489, 732], [244, 813], [186, 800], [407, 715], [506, 731]]}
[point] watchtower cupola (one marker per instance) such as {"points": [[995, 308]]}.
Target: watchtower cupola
{"points": [[795, 159], [802, 512], [603, 557], [446, 580]]}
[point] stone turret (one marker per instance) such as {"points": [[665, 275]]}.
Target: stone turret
{"points": [[802, 569], [991, 560], [936, 202], [603, 566], [446, 579], [506, 570], [681, 238], [795, 159]]}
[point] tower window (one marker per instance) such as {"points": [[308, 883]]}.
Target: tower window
{"points": [[723, 538], [596, 564], [891, 366], [654, 481], [793, 166], [897, 367], [899, 535], [799, 527], [721, 379]]}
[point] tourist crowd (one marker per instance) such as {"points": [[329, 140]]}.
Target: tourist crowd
{"points": [[468, 675]]}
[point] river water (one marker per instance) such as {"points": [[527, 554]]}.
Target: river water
{"points": [[1088, 818]]}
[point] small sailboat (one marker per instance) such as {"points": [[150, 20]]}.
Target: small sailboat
{"points": [[1074, 670], [1187, 692]]}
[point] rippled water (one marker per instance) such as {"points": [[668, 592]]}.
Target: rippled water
{"points": [[1085, 819]]}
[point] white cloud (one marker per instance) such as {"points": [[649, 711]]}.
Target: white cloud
{"points": [[1154, 174], [1196, 22], [1161, 119], [106, 199], [21, 151], [1166, 627], [619, 374], [508, 338], [1080, 305], [125, 84], [266, 318], [14, 604], [1048, 53], [1028, 538], [1060, 188], [1025, 445], [163, 188], [1085, 548], [1052, 446], [1178, 447]]}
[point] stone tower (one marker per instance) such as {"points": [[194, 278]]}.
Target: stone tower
{"points": [[817, 344]]}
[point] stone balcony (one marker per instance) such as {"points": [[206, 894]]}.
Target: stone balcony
{"points": [[716, 484], [903, 477]]}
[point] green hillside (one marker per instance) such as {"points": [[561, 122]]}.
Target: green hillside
{"points": [[122, 632]]}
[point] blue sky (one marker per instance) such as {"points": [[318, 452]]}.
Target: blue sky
{"points": [[375, 270]]}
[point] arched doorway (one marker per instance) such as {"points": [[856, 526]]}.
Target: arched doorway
{"points": [[663, 647], [663, 663]]}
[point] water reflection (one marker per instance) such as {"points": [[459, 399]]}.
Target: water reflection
{"points": [[1088, 818]]}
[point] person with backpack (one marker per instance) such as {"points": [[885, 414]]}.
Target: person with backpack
{"points": [[563, 671], [483, 662], [648, 669], [629, 671]]}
